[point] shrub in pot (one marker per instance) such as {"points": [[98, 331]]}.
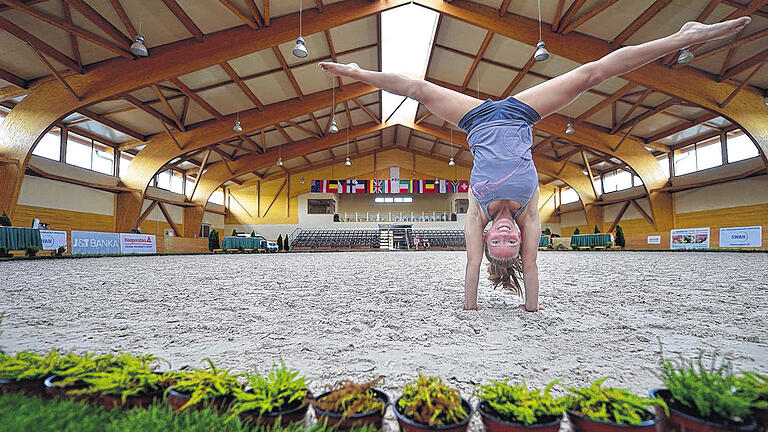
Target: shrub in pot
{"points": [[427, 404], [701, 397], [213, 240], [280, 397], [201, 388], [4, 253], [348, 404], [129, 382], [5, 220], [68, 374], [26, 371], [32, 251], [606, 409], [60, 251], [755, 387], [509, 408]]}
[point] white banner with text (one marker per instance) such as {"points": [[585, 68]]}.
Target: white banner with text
{"points": [[137, 244], [52, 240], [689, 238], [741, 236]]}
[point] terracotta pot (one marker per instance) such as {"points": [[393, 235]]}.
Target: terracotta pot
{"points": [[580, 423], [494, 423], [292, 413], [53, 391], [680, 421], [409, 425], [374, 418], [111, 402], [219, 404], [30, 387]]}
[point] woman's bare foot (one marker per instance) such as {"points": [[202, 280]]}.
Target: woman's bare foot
{"points": [[338, 69], [700, 33]]}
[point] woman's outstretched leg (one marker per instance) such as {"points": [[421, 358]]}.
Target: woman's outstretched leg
{"points": [[442, 102], [552, 95]]}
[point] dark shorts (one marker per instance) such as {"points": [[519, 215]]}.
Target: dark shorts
{"points": [[506, 109]]}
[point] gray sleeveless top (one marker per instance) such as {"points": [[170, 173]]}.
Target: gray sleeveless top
{"points": [[503, 168]]}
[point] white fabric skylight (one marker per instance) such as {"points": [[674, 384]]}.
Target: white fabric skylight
{"points": [[406, 38]]}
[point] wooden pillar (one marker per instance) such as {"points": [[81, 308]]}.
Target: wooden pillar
{"points": [[63, 147], [193, 221]]}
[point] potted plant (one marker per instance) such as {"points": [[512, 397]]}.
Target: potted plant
{"points": [[200, 388], [427, 404], [60, 250], [213, 240], [348, 404], [26, 371], [281, 397], [32, 251], [620, 240], [701, 397], [755, 387], [68, 374], [606, 409], [5, 220], [286, 244], [507, 408], [129, 382]]}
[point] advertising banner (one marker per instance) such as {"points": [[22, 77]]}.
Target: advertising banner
{"points": [[736, 237], [52, 240], [654, 239], [137, 244], [95, 243], [689, 238]]}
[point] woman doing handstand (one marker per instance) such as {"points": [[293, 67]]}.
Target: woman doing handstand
{"points": [[504, 183]]}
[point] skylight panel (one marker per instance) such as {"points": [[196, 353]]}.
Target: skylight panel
{"points": [[406, 39]]}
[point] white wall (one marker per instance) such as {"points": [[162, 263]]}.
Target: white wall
{"points": [[749, 191], [41, 192]]}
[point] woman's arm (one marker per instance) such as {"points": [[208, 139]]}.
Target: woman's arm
{"points": [[530, 228], [473, 237]]}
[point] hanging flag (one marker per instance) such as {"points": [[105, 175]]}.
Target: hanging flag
{"points": [[463, 186], [317, 186], [333, 186], [406, 186], [454, 186], [430, 186], [361, 187], [443, 186]]}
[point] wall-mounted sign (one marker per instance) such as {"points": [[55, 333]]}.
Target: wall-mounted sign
{"points": [[741, 236], [654, 239], [137, 244], [689, 238], [52, 240], [95, 243]]}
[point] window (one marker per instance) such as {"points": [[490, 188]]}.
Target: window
{"points": [[125, 162], [190, 184], [217, 197], [462, 204], [164, 180], [699, 156], [569, 195], [636, 180], [50, 145], [393, 200], [320, 206], [617, 180], [739, 147], [171, 180], [664, 165], [598, 185], [177, 182], [89, 154]]}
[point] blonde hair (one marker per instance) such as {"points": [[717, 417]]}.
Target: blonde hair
{"points": [[507, 272]]}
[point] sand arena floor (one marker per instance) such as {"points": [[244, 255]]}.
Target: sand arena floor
{"points": [[359, 315]]}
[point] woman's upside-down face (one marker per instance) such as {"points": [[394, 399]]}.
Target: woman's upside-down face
{"points": [[503, 239]]}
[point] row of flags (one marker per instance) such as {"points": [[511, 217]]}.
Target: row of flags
{"points": [[389, 186]]}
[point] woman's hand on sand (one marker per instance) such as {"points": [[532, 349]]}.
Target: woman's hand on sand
{"points": [[522, 307]]}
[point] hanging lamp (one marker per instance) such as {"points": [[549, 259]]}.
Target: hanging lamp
{"points": [[451, 162], [347, 162], [686, 56], [237, 128], [279, 155], [300, 50], [138, 47], [334, 127], [541, 52]]}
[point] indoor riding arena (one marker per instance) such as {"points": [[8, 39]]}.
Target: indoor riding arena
{"points": [[203, 231]]}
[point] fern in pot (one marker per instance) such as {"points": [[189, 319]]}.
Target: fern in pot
{"points": [[198, 388], [608, 409], [427, 404], [26, 371], [280, 397], [349, 404], [703, 395], [509, 408]]}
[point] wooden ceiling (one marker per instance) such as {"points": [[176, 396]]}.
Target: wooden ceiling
{"points": [[45, 39]]}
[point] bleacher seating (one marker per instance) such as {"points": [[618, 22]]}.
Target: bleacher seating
{"points": [[437, 238], [336, 239]]}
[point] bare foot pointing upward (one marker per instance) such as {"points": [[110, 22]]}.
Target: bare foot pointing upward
{"points": [[338, 69], [698, 32]]}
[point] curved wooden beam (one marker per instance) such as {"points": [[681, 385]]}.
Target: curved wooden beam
{"points": [[47, 104], [573, 177]]}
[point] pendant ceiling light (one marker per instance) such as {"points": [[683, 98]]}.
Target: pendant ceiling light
{"points": [[279, 155], [300, 50], [451, 162], [569, 130], [138, 47], [347, 162], [541, 53], [686, 56], [334, 127], [237, 128]]}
